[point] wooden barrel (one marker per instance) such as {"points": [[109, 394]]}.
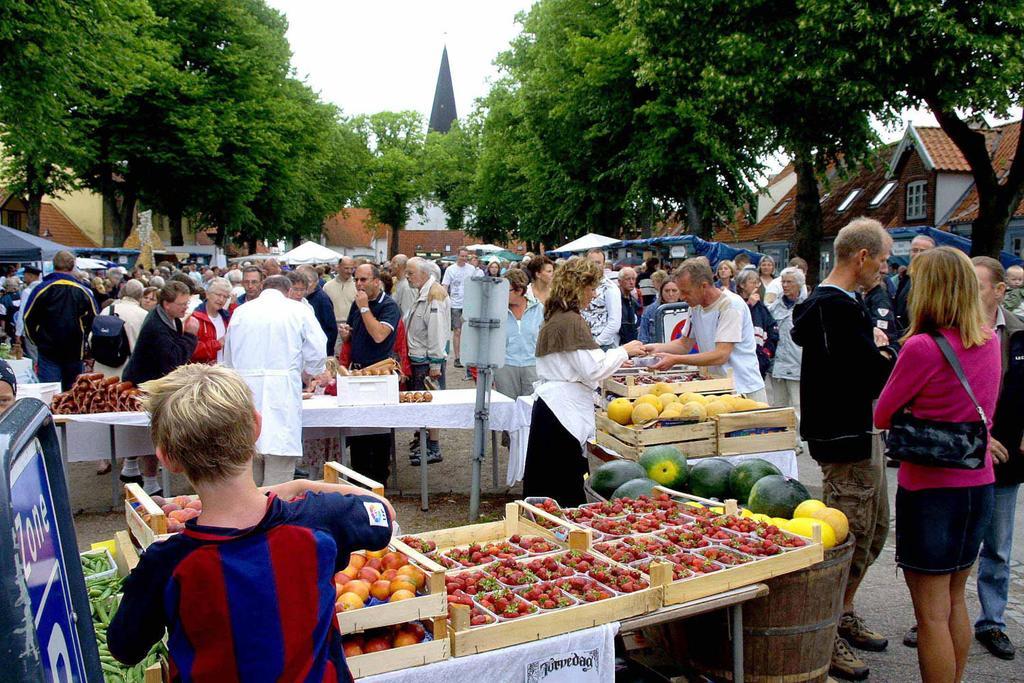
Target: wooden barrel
{"points": [[788, 635]]}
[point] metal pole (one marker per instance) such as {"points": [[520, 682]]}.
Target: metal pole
{"points": [[494, 459], [736, 623], [115, 484], [480, 429], [424, 492]]}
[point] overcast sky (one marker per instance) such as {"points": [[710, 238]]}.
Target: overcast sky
{"points": [[370, 56]]}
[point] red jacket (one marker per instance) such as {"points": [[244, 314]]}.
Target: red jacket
{"points": [[206, 350]]}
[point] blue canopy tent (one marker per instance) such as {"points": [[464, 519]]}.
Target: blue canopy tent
{"points": [[945, 239], [18, 246]]}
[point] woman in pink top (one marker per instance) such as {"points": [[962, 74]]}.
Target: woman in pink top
{"points": [[941, 513]]}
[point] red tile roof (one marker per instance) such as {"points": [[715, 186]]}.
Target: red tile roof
{"points": [[945, 155], [351, 228], [55, 225], [1005, 144], [411, 242]]}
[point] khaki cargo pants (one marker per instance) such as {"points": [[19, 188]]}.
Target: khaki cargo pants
{"points": [[860, 490]]}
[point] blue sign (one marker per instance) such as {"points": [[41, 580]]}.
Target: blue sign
{"points": [[39, 545]]}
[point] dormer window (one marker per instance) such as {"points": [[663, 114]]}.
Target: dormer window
{"points": [[916, 196], [782, 206], [849, 200], [883, 194]]}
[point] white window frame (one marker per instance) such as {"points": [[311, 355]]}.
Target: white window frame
{"points": [[883, 194], [782, 206], [849, 200], [917, 192]]}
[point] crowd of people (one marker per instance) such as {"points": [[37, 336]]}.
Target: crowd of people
{"points": [[939, 340]]}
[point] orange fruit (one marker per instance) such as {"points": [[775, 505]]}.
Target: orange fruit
{"points": [[360, 588], [415, 576], [401, 584], [349, 601], [401, 595]]}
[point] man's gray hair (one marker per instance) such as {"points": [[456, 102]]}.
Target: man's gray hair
{"points": [[697, 268], [861, 233], [278, 282], [309, 272], [794, 272], [218, 283], [234, 277], [157, 281], [132, 289]]}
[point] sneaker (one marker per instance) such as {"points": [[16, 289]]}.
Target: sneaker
{"points": [[434, 456], [846, 664], [458, 363], [997, 642], [856, 633], [910, 637], [414, 459], [889, 462], [131, 479]]}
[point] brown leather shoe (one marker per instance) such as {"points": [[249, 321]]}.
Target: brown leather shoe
{"points": [[845, 664]]}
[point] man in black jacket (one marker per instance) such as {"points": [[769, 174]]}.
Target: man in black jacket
{"points": [[164, 343], [1008, 449], [58, 316], [918, 246], [846, 361]]}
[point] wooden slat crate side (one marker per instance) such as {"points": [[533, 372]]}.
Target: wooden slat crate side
{"points": [[753, 419], [636, 436], [336, 473], [392, 613], [770, 418], [398, 658], [758, 443], [692, 449], [718, 385]]}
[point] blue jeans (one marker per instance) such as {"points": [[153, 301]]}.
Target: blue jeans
{"points": [[994, 565], [64, 372]]}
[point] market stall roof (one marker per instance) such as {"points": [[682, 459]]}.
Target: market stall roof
{"points": [[589, 241], [85, 263], [16, 245], [310, 252], [255, 258], [485, 247]]}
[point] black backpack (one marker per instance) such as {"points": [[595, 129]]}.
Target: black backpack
{"points": [[109, 340]]}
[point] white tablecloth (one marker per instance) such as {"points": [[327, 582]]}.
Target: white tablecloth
{"points": [[579, 657], [88, 436]]}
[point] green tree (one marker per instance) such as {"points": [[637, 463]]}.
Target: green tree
{"points": [[394, 172], [957, 58], [53, 55], [449, 166], [756, 70]]}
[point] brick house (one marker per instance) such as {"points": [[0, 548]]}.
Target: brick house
{"points": [[351, 232], [54, 224]]}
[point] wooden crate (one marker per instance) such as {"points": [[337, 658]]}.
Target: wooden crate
{"points": [[781, 420], [695, 440], [427, 652], [148, 523], [696, 587], [631, 389]]}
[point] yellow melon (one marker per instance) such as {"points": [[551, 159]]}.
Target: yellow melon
{"points": [[672, 410], [804, 526], [644, 412], [808, 508], [668, 398], [620, 410], [661, 388], [835, 519], [694, 410], [651, 399], [718, 407], [690, 396]]}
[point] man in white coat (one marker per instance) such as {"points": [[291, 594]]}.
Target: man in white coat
{"points": [[271, 342]]}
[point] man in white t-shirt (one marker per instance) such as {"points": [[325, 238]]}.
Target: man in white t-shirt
{"points": [[721, 328], [454, 281]]}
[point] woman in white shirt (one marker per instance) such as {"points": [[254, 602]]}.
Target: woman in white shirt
{"points": [[570, 366]]}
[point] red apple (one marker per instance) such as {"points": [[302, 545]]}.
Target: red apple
{"points": [[405, 638], [394, 560], [374, 563], [369, 574], [353, 649], [377, 644], [389, 574]]}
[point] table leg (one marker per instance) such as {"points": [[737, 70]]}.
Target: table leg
{"points": [[343, 441], [423, 470], [736, 623], [115, 483], [394, 461], [494, 459]]}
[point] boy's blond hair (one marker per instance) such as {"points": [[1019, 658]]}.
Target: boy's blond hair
{"points": [[202, 417]]}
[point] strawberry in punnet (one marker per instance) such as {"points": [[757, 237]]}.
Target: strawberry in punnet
{"points": [[419, 545], [578, 561], [511, 573], [506, 604], [701, 511], [503, 550], [696, 563], [651, 545], [548, 568], [472, 556], [609, 508], [743, 525], [708, 530], [685, 539], [758, 547], [673, 516], [611, 527], [620, 552], [470, 582], [723, 556], [585, 590], [778, 537], [618, 578], [678, 570], [547, 596], [445, 562], [534, 545], [579, 514], [643, 524], [641, 504]]}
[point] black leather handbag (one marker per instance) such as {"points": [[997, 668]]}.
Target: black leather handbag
{"points": [[958, 445]]}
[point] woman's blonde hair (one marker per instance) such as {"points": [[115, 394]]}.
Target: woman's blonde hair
{"points": [[728, 264], [571, 278], [945, 294], [202, 417]]}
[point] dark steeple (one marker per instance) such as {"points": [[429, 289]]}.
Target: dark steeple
{"points": [[443, 112]]}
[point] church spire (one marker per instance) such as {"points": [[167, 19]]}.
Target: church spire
{"points": [[442, 114]]}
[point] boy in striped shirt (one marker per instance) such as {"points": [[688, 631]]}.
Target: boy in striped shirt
{"points": [[246, 591]]}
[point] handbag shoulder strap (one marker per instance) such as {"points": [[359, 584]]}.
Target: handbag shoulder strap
{"points": [[954, 362]]}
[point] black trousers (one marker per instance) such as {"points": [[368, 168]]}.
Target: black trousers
{"points": [[555, 463], [371, 456]]}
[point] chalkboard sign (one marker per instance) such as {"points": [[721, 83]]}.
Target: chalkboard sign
{"points": [[45, 626]]}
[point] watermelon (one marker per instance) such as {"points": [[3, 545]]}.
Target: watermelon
{"points": [[665, 465], [776, 496], [611, 475], [635, 489], [745, 475], [709, 478]]}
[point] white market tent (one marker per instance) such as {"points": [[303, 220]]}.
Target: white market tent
{"points": [[487, 248], [85, 263], [310, 252], [589, 241]]}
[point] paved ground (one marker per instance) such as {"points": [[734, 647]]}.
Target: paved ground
{"points": [[883, 599]]}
